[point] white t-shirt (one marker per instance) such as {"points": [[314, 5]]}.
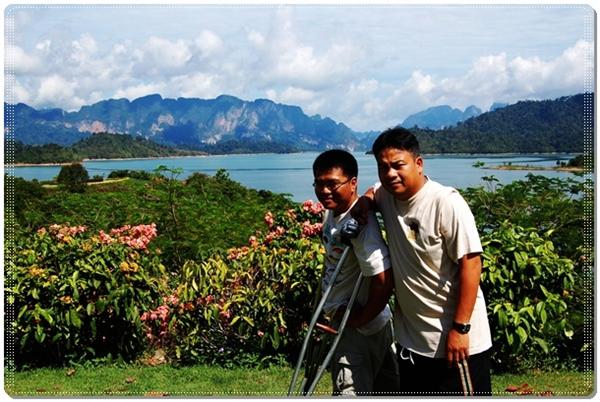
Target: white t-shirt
{"points": [[427, 235], [369, 255]]}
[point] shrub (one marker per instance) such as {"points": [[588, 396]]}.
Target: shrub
{"points": [[74, 177], [253, 300], [134, 174], [78, 295], [530, 294]]}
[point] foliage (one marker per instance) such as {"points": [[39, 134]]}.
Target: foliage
{"points": [[253, 300], [529, 291], [549, 204], [47, 153], [215, 212], [73, 177], [96, 146], [134, 174], [576, 161], [78, 295], [218, 302], [527, 126], [30, 196]]}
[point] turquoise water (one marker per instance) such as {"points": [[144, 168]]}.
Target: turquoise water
{"points": [[292, 173]]}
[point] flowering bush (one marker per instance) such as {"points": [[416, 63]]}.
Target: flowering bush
{"points": [[76, 295], [253, 300]]}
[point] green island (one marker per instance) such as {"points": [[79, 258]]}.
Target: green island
{"points": [[148, 285], [574, 165], [97, 146]]}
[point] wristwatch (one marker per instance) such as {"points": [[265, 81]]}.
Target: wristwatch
{"points": [[463, 328]]}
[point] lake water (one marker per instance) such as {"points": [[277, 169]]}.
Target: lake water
{"points": [[292, 173]]}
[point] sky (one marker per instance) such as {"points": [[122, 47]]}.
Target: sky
{"points": [[368, 67]]}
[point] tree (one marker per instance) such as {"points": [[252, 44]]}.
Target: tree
{"points": [[73, 177]]}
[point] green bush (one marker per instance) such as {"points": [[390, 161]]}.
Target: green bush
{"points": [[73, 177], [134, 174], [249, 304], [549, 204], [530, 294], [77, 295]]}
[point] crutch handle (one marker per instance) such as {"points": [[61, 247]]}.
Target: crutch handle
{"points": [[326, 328]]}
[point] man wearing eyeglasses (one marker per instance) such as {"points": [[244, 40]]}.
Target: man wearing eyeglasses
{"points": [[364, 362]]}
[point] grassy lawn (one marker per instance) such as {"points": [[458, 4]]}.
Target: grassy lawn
{"points": [[140, 381]]}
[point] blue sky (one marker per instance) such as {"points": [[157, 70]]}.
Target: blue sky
{"points": [[366, 66]]}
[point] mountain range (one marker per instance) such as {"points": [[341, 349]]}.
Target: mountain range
{"points": [[228, 124], [202, 124], [439, 117]]}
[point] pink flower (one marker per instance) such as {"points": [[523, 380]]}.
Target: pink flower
{"points": [[253, 241], [314, 208], [260, 333], [104, 238], [309, 229], [269, 219]]}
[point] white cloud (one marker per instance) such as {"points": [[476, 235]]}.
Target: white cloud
{"points": [[284, 59], [20, 62], [208, 43], [136, 91], [198, 85], [256, 38], [293, 95], [56, 90], [162, 54]]}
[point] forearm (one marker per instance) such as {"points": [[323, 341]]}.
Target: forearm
{"points": [[380, 289], [365, 203], [469, 277]]}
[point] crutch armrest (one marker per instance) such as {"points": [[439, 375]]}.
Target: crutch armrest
{"points": [[326, 328]]}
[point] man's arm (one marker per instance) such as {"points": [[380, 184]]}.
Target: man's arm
{"points": [[457, 344], [380, 289], [365, 203]]}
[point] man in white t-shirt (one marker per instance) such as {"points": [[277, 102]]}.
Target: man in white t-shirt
{"points": [[364, 361], [441, 319]]}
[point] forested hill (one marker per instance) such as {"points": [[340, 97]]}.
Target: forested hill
{"points": [[528, 126], [98, 146]]}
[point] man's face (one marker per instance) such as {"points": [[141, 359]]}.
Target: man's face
{"points": [[400, 172], [335, 190]]}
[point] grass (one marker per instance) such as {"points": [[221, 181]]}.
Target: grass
{"points": [[206, 381]]}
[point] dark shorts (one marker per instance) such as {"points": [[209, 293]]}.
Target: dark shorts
{"points": [[424, 376]]}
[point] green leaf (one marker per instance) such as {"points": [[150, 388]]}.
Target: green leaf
{"points": [[74, 317], [46, 316], [543, 344], [502, 319], [522, 334]]}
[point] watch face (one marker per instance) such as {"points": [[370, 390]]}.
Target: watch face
{"points": [[462, 328]]}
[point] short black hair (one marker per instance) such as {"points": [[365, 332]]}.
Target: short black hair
{"points": [[336, 158], [398, 138]]}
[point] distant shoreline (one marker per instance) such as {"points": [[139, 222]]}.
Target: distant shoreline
{"points": [[104, 160], [459, 154], [572, 169]]}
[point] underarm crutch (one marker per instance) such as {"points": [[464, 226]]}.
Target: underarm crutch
{"points": [[311, 378]]}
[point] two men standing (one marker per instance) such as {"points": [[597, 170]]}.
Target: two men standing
{"points": [[441, 326]]}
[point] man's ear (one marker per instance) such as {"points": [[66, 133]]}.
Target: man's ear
{"points": [[419, 163]]}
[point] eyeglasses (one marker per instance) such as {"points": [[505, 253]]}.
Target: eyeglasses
{"points": [[329, 185]]}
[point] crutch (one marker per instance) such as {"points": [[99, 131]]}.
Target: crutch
{"points": [[348, 230]]}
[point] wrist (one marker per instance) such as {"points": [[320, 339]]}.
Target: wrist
{"points": [[461, 327]]}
